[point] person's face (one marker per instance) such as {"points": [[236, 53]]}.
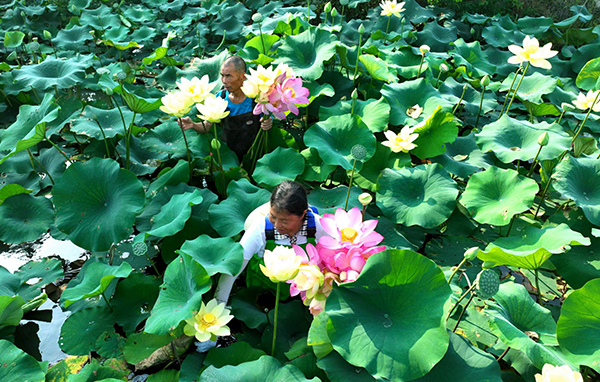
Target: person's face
{"points": [[285, 223], [232, 80]]}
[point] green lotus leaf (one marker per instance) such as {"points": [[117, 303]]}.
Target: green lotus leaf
{"points": [[406, 63], [580, 265], [579, 179], [335, 137], [514, 315], [494, 196], [373, 113], [93, 280], [338, 370], [371, 169], [180, 173], [307, 52], [279, 165], [110, 345], [34, 137], [533, 87], [319, 340], [159, 198], [70, 365], [100, 123], [120, 45], [316, 169], [220, 255], [185, 281], [531, 247], [588, 77], [329, 200], [510, 139], [96, 372], [472, 57], [402, 96], [50, 73], [266, 368], [423, 195], [228, 217], [434, 132], [18, 365], [11, 190], [453, 91], [73, 38], [13, 39], [101, 18], [462, 157], [174, 214], [236, 354], [138, 104], [437, 37], [142, 161], [499, 37], [96, 203], [80, 331], [400, 331], [37, 274], [167, 138], [11, 312], [25, 218], [134, 298], [140, 346], [580, 319], [9, 282], [377, 68], [138, 13]]}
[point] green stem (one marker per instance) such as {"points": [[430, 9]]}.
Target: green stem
{"points": [[503, 354], [560, 118], [461, 96], [463, 312], [124, 125], [464, 260], [308, 11], [357, 56], [509, 90], [219, 155], [187, 148], [512, 220], [534, 162], [262, 40], [107, 303], [402, 27], [420, 65], [517, 89], [103, 135], [350, 185], [326, 19], [459, 300], [542, 198], [275, 319], [437, 81], [387, 28], [32, 158], [480, 106], [353, 103], [537, 287], [128, 137], [58, 148], [153, 265]]}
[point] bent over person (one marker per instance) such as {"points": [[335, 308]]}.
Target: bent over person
{"points": [[241, 126]]}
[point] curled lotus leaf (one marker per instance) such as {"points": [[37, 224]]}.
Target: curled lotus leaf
{"points": [[533, 87], [73, 38], [434, 132], [589, 75], [375, 113], [279, 165], [51, 72]]}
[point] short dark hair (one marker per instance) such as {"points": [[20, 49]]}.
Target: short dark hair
{"points": [[238, 63], [290, 197]]}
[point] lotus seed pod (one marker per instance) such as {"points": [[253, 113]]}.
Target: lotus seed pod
{"points": [[354, 94], [365, 198], [543, 139], [140, 249], [12, 56], [215, 144], [34, 45], [487, 284], [121, 76], [424, 49], [327, 7], [361, 29], [47, 35], [471, 253], [485, 81], [344, 2], [256, 17], [334, 12], [358, 152], [567, 106]]}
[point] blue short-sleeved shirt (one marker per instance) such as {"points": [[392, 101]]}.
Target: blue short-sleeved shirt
{"points": [[236, 108]]}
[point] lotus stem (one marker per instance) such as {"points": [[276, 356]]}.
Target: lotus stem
{"points": [[262, 40], [32, 159], [357, 56], [459, 300], [275, 319], [503, 354], [461, 96], [350, 185], [386, 29], [58, 148], [219, 155], [464, 260], [353, 103], [6, 97], [153, 265], [534, 162], [537, 287], [103, 135], [363, 212], [509, 90], [480, 106], [542, 198], [512, 220], [222, 41], [127, 147], [463, 312], [187, 147], [421, 65], [517, 89], [308, 11], [584, 121], [402, 27], [326, 19], [124, 129], [107, 303], [342, 17], [560, 118]]}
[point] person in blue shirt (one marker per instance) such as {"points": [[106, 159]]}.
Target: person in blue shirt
{"points": [[241, 126]]}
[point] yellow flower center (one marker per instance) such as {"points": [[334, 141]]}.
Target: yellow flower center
{"points": [[349, 234], [209, 319]]}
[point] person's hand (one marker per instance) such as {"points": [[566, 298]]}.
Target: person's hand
{"points": [[187, 123], [266, 123]]}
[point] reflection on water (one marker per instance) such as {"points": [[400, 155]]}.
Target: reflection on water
{"points": [[50, 332]]}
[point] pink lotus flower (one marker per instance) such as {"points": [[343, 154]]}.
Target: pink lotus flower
{"points": [[347, 229], [292, 93]]}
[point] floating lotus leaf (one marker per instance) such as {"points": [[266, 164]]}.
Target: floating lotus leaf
{"points": [[93, 280], [329, 200], [266, 368], [434, 132], [80, 331], [220, 255], [423, 195], [174, 214], [579, 179], [371, 169], [510, 139], [11, 312], [580, 319], [18, 365], [494, 196], [472, 57], [134, 298], [373, 113], [11, 190], [335, 138], [316, 169], [96, 203], [185, 281], [74, 38], [25, 218], [51, 72], [110, 121], [391, 319], [588, 77], [531, 247], [533, 87], [279, 165], [514, 315], [228, 217], [37, 274], [307, 52], [140, 346], [402, 96], [462, 157]]}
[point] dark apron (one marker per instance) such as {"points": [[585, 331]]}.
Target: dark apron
{"points": [[239, 131]]}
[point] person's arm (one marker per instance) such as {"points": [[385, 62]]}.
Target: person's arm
{"points": [[202, 127]]}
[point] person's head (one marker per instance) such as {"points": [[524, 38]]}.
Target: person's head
{"points": [[233, 73], [288, 207]]}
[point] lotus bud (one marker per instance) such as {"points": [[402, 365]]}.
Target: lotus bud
{"points": [[365, 198], [487, 284], [327, 7], [444, 67], [23, 15], [354, 94], [12, 56], [424, 49], [215, 144], [47, 35], [485, 80], [543, 139], [334, 12], [567, 107], [115, 5], [108, 91], [257, 17], [472, 31], [358, 152], [471, 253], [121, 76], [361, 29]]}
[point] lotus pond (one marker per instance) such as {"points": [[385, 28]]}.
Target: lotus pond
{"points": [[474, 136]]}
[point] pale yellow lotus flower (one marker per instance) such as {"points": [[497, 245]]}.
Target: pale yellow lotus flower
{"points": [[309, 279], [176, 103], [563, 373], [284, 68], [401, 142], [390, 7], [281, 264], [198, 89], [414, 111], [262, 77], [210, 322], [250, 89], [586, 101], [214, 109], [532, 53]]}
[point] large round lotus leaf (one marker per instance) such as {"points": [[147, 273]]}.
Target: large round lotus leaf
{"points": [[579, 179], [228, 217], [10, 310], [70, 365], [143, 34], [233, 355], [72, 39], [511, 139], [24, 218], [494, 196], [134, 298], [579, 265], [92, 280], [220, 255], [173, 215], [80, 331], [180, 296], [371, 169], [144, 220], [532, 88], [423, 195], [406, 63], [434, 132], [16, 365], [307, 52], [140, 346], [138, 13], [338, 370], [141, 161], [373, 113], [328, 201], [531, 247], [52, 72], [437, 37], [180, 173], [279, 165], [109, 121], [96, 203], [315, 169], [462, 157], [167, 138], [391, 319], [578, 328], [402, 96], [472, 57], [266, 368], [587, 79], [499, 37], [453, 90], [463, 363], [100, 18], [37, 274], [514, 315], [335, 138]]}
